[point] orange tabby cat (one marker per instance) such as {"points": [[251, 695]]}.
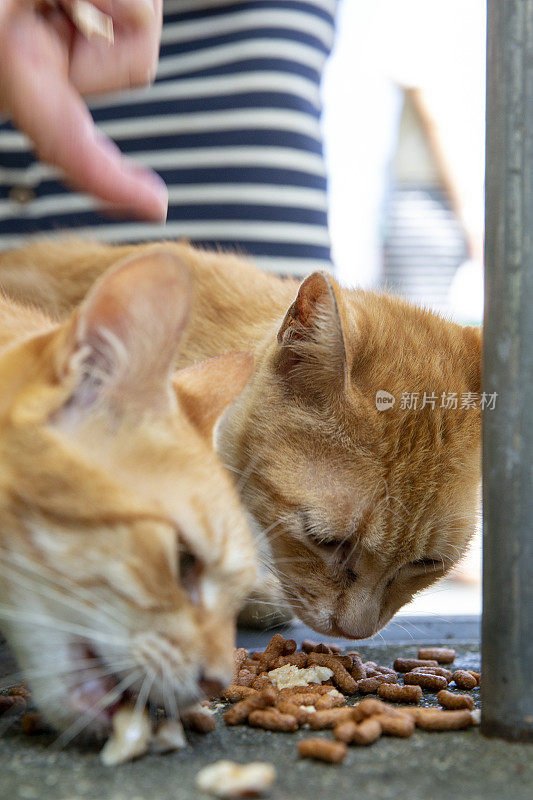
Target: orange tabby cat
{"points": [[363, 507], [124, 551]]}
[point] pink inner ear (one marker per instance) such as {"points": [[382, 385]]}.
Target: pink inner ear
{"points": [[206, 389], [147, 294], [311, 291], [129, 328], [304, 311]]}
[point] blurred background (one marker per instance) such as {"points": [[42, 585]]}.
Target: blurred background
{"points": [[404, 126]]}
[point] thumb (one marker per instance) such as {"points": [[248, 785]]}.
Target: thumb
{"points": [[130, 13]]}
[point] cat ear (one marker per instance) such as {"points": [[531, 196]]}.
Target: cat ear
{"points": [[205, 390], [312, 354], [121, 343]]}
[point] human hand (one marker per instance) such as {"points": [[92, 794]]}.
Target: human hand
{"points": [[47, 65]]}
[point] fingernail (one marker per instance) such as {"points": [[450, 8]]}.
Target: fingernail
{"points": [[155, 184], [161, 197]]}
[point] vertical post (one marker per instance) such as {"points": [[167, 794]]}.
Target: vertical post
{"points": [[507, 630]]}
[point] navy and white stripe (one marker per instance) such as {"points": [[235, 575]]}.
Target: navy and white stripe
{"points": [[232, 125]]}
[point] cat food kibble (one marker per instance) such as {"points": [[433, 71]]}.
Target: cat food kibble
{"points": [[444, 655], [400, 725], [345, 731], [19, 691], [299, 712], [235, 693], [368, 707], [296, 660], [464, 679], [168, 736], [400, 694], [240, 656], [290, 647], [13, 704], [238, 713], [341, 676], [245, 677], [32, 722], [199, 719], [455, 701], [130, 738], [442, 671], [434, 719], [431, 683], [370, 685], [228, 779], [330, 700], [309, 688], [408, 664], [367, 731], [272, 719], [322, 750], [302, 697], [273, 650], [357, 671], [329, 718]]}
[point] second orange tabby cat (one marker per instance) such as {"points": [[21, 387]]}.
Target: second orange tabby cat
{"points": [[362, 507]]}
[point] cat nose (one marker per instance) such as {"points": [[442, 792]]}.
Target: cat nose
{"points": [[356, 630], [211, 685]]}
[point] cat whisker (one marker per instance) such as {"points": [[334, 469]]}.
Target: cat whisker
{"points": [[73, 730], [97, 617], [351, 551], [403, 628], [22, 617], [169, 694], [397, 500], [41, 578], [87, 664], [144, 691], [270, 603], [266, 531], [246, 473]]}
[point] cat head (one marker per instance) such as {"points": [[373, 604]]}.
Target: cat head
{"points": [[363, 504], [125, 554]]}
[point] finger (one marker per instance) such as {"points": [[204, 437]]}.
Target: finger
{"points": [[130, 61], [55, 118], [128, 13]]}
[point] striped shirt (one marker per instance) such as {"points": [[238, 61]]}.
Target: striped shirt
{"points": [[232, 125]]}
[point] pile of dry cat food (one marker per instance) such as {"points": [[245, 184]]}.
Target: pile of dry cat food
{"points": [[282, 689]]}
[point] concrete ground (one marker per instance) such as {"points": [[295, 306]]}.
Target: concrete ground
{"points": [[428, 766]]}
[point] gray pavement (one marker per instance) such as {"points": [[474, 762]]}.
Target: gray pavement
{"points": [[428, 766]]}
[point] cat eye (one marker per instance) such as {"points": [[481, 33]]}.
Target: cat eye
{"points": [[316, 538], [325, 544], [189, 574]]}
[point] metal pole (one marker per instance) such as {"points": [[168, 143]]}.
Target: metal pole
{"points": [[507, 630]]}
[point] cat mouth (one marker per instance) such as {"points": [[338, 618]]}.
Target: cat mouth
{"points": [[93, 689]]}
